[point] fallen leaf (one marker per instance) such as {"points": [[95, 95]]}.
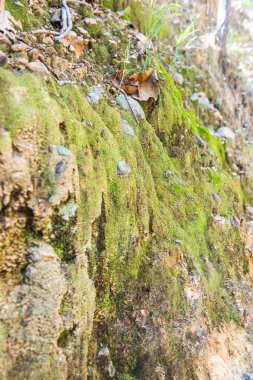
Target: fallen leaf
{"points": [[74, 42], [150, 88], [78, 45], [141, 86], [8, 22]]}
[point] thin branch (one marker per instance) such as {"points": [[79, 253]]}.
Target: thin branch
{"points": [[49, 68], [42, 31]]}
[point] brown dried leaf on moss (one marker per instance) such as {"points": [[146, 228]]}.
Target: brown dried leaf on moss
{"points": [[141, 86]]}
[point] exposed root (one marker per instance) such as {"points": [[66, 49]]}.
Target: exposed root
{"points": [[68, 21]]}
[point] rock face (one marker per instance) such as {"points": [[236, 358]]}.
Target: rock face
{"points": [[221, 360], [41, 293], [126, 249], [123, 168], [45, 314]]}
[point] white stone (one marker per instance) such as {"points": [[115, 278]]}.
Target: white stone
{"points": [[225, 133]]}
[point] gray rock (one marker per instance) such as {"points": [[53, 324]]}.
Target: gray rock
{"points": [[235, 222], [127, 129], [248, 376], [203, 101], [16, 48], [68, 210], [63, 151], [225, 133], [136, 107], [93, 98], [167, 173], [194, 97], [60, 167], [55, 19], [37, 67], [95, 95], [3, 58], [179, 242], [97, 90], [217, 198], [249, 210], [180, 182], [103, 352], [178, 78], [88, 247], [249, 86], [123, 168]]}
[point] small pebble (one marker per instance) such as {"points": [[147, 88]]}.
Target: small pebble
{"points": [[3, 58], [19, 47]]}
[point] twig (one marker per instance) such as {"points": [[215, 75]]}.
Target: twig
{"points": [[69, 21], [42, 31], [123, 92], [49, 68]]}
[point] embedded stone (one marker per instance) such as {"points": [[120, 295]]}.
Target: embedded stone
{"points": [[61, 167], [225, 133], [3, 58], [136, 107], [34, 54], [63, 151], [55, 19], [21, 62], [178, 78], [19, 47], [127, 129], [93, 98], [123, 168], [203, 101], [37, 67]]}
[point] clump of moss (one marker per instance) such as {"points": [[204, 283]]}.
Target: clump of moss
{"points": [[143, 225], [20, 12]]}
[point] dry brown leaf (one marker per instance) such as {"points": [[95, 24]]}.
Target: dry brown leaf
{"points": [[8, 22], [78, 45], [141, 86], [149, 89], [74, 42]]}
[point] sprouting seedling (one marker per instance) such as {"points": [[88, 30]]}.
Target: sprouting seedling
{"points": [[187, 36]]}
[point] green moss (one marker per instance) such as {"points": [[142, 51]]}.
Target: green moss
{"points": [[20, 12], [144, 224]]}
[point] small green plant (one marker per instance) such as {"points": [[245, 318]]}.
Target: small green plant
{"points": [[158, 15], [184, 41]]}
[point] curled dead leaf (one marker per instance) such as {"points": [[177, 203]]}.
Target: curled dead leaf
{"points": [[141, 86]]}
